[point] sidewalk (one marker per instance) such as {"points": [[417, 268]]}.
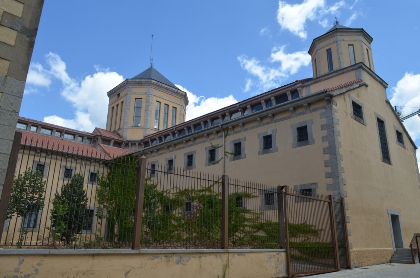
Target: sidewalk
{"points": [[378, 271]]}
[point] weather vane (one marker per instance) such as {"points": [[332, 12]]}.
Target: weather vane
{"points": [[336, 21]]}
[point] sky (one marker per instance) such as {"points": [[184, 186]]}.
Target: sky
{"points": [[219, 52]]}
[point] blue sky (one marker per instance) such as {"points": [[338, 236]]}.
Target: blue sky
{"points": [[219, 51]]}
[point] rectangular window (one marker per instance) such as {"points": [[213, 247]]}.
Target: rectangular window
{"points": [[281, 99], [89, 140], [68, 136], [188, 206], [400, 138], [40, 167], [330, 60], [267, 142], [351, 53], [190, 160], [170, 165], [306, 192], [269, 198], [34, 128], [367, 53], [30, 220], [173, 116], [152, 169], [316, 68], [121, 114], [302, 133], [137, 112], [212, 155], [112, 117], [88, 223], [68, 172], [383, 141], [57, 134], [237, 149], [79, 139], [357, 112], [157, 115], [116, 116], [21, 126], [239, 200], [165, 116], [46, 131], [93, 176], [294, 94]]}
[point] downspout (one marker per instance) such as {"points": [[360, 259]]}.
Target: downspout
{"points": [[224, 150]]}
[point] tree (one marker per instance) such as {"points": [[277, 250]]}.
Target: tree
{"points": [[27, 194], [68, 216]]}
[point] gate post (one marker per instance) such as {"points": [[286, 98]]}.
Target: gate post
{"points": [[346, 235], [286, 232], [280, 204], [138, 210], [225, 206], [334, 233], [8, 181]]}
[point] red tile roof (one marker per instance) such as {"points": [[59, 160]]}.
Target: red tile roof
{"points": [[109, 134], [114, 152], [61, 145]]}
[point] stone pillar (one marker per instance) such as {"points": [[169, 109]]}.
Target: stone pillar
{"points": [[19, 22]]}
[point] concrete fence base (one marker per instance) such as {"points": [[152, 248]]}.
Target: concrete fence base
{"points": [[143, 263]]}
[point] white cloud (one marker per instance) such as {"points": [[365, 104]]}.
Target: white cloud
{"points": [[248, 85], [38, 76], [199, 105], [264, 31], [407, 95], [269, 76], [88, 96], [352, 18], [290, 62], [293, 17]]}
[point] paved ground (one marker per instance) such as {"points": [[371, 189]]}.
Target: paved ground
{"points": [[378, 271]]}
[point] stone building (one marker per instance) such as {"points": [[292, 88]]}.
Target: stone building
{"points": [[334, 133]]}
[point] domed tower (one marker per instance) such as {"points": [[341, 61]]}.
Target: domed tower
{"points": [[340, 47], [145, 104]]}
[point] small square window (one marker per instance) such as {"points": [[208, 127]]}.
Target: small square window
{"points": [[69, 136], [212, 155], [267, 142], [57, 134], [30, 220], [302, 133], [400, 138], [237, 149], [190, 159], [357, 112], [40, 167], [89, 140], [79, 139], [34, 128], [170, 165], [269, 198], [93, 176], [68, 173]]}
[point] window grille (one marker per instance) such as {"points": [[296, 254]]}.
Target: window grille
{"points": [[212, 155], [306, 192], [190, 159], [93, 176], [40, 167], [237, 149], [400, 138], [30, 220], [68, 172], [170, 164], [357, 112], [267, 142], [269, 198], [302, 133]]}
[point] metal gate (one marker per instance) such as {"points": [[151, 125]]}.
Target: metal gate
{"points": [[308, 232]]}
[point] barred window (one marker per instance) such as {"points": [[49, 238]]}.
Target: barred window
{"points": [[237, 149], [30, 219], [190, 159], [93, 176], [357, 112], [302, 133], [170, 164], [40, 167], [306, 192], [68, 172], [269, 198], [267, 142], [212, 155], [400, 138], [383, 141], [152, 169]]}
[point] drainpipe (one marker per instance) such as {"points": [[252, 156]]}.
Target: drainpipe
{"points": [[224, 150]]}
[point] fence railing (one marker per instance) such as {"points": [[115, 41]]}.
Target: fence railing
{"points": [[415, 248], [63, 197]]}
